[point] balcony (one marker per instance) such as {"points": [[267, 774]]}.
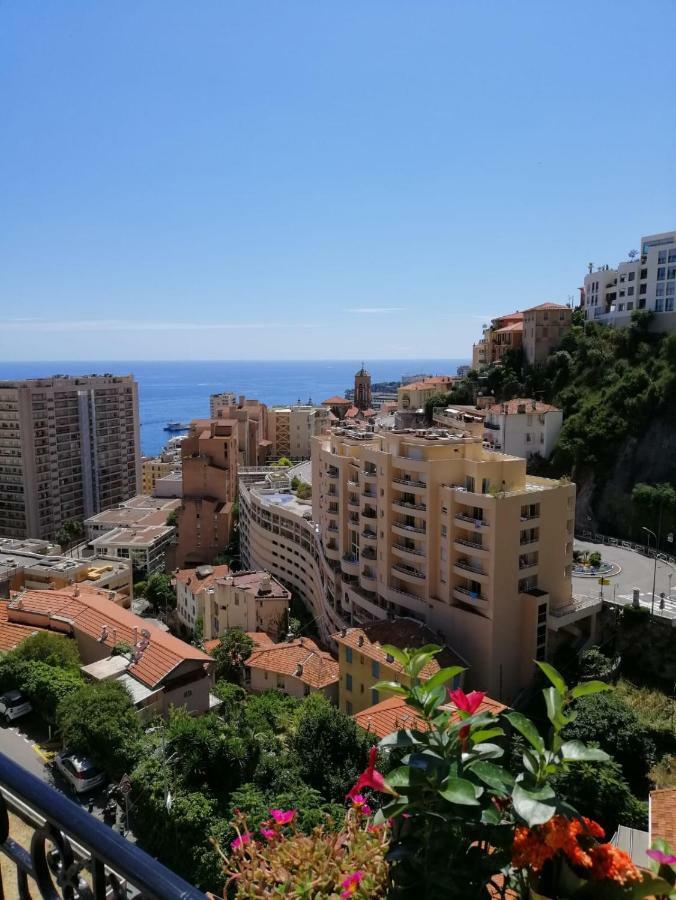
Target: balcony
{"points": [[404, 529], [332, 551], [367, 492], [353, 502], [406, 598], [461, 566], [332, 473], [408, 572], [412, 483], [463, 544], [369, 473], [470, 520], [369, 513], [402, 548], [369, 534], [418, 509], [368, 553], [82, 845], [350, 564], [464, 595]]}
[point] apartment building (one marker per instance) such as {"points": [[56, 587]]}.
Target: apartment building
{"points": [[221, 402], [504, 333], [544, 327], [430, 526], [414, 395], [523, 427], [298, 667], [646, 281], [209, 465], [137, 512], [146, 547], [291, 429], [152, 468], [252, 601], [69, 447], [362, 661]]}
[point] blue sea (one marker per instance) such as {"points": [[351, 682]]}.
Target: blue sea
{"points": [[179, 391]]}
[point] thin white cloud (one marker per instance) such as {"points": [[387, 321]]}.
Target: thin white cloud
{"points": [[128, 325], [368, 310]]}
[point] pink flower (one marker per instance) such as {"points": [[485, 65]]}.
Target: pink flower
{"points": [[370, 778], [239, 842], [467, 703], [351, 884], [283, 816], [664, 859], [268, 833], [359, 803]]}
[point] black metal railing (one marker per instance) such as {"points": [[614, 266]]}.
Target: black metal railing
{"points": [[72, 854]]}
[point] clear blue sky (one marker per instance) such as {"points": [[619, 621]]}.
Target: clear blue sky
{"points": [[307, 179]]}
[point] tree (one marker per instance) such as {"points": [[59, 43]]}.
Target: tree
{"points": [[70, 533], [172, 518], [595, 559], [159, 592], [330, 749], [595, 665], [44, 685], [233, 649], [53, 649], [295, 481], [601, 792], [304, 491], [606, 720], [100, 721], [283, 461]]}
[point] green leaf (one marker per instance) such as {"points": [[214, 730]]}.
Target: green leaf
{"points": [[529, 806], [391, 810], [442, 676], [399, 778], [477, 737], [576, 751], [396, 653], [490, 816], [459, 790], [488, 751], [393, 687], [554, 676], [589, 687], [554, 704], [526, 728], [492, 775], [404, 738]]}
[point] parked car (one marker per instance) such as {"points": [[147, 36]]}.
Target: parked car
{"points": [[80, 773], [13, 705]]}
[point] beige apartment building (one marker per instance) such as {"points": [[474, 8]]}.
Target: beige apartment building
{"points": [[209, 466], [152, 468], [544, 327], [417, 393], [431, 526], [291, 429], [252, 426], [69, 447]]}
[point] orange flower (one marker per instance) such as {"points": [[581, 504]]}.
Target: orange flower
{"points": [[534, 846], [612, 864]]}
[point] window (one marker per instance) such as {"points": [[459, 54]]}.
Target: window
{"points": [[348, 682], [672, 256], [374, 697], [375, 668], [348, 654], [662, 256], [631, 276], [630, 292], [642, 288], [659, 290], [671, 272], [348, 707], [660, 273]]}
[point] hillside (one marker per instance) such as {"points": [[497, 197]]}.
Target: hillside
{"points": [[617, 389]]}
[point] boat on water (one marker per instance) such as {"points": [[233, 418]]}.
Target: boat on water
{"points": [[176, 426]]}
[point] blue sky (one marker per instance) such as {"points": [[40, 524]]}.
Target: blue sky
{"points": [[318, 179]]}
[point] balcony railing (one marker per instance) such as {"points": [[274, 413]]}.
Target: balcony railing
{"points": [[468, 567], [473, 544], [408, 505], [471, 520], [406, 527], [409, 570], [404, 549], [87, 859], [411, 481]]}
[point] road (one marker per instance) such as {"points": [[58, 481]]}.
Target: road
{"points": [[21, 750]]}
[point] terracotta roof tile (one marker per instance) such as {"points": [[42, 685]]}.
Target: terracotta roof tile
{"points": [[301, 658], [336, 401], [546, 306], [90, 611], [392, 714], [513, 406], [402, 633], [12, 635], [260, 639], [663, 815]]}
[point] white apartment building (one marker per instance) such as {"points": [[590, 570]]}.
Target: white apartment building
{"points": [[431, 526], [647, 281], [252, 601], [220, 401], [145, 546], [523, 427]]}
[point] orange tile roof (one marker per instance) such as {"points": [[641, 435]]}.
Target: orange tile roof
{"points": [[90, 611], [514, 326], [512, 406], [301, 658], [515, 315], [392, 714], [546, 306], [663, 815], [12, 635], [430, 382], [191, 579], [352, 412], [336, 401], [260, 639], [402, 633]]}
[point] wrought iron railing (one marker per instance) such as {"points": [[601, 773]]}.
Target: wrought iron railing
{"points": [[72, 854]]}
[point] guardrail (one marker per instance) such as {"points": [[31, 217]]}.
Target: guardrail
{"points": [[87, 859], [596, 538]]}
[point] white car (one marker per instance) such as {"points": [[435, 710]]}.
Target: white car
{"points": [[13, 705], [80, 773]]}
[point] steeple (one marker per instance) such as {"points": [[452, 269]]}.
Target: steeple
{"points": [[362, 389]]}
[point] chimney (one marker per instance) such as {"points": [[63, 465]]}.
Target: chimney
{"points": [[534, 404], [360, 640], [299, 669]]}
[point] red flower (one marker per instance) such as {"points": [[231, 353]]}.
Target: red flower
{"points": [[370, 778], [467, 703], [283, 816], [351, 884], [239, 842], [269, 833]]}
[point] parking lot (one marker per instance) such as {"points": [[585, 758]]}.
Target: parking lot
{"points": [[636, 572]]}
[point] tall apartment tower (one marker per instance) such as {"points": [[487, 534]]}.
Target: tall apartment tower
{"points": [[69, 448], [362, 389], [209, 467]]}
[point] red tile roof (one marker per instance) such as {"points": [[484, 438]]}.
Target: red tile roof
{"points": [[513, 326], [663, 815], [512, 406], [392, 714], [336, 401], [90, 611], [546, 306], [301, 658], [12, 635], [431, 381], [402, 633]]}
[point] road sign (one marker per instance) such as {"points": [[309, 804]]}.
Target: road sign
{"points": [[603, 581]]}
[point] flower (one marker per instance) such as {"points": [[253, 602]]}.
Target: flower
{"points": [[351, 884], [268, 833], [241, 841], [532, 847], [467, 703], [370, 778], [283, 816], [610, 863], [359, 803], [664, 859]]}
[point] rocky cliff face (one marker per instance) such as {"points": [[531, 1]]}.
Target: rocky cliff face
{"points": [[604, 498]]}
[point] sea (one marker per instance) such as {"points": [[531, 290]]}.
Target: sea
{"points": [[179, 391]]}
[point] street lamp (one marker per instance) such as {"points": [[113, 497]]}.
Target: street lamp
{"points": [[649, 532]]}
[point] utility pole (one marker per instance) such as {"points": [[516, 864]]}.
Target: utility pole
{"points": [[649, 532]]}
